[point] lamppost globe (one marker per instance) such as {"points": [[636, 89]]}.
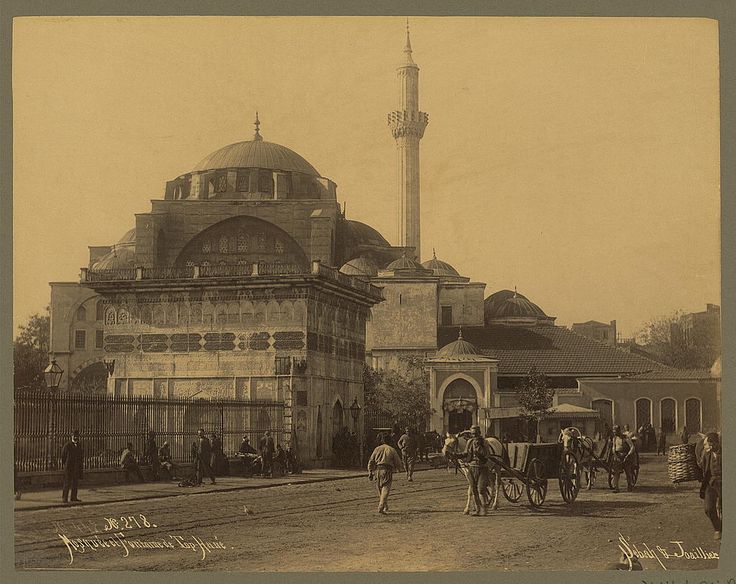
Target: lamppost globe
{"points": [[355, 410], [52, 374]]}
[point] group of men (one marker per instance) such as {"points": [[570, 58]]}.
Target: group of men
{"points": [[267, 458]]}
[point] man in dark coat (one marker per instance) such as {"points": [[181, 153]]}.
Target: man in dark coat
{"points": [[711, 485], [267, 448], [72, 456], [204, 453], [151, 454]]}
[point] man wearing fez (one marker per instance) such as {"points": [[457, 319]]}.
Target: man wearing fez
{"points": [[381, 465], [711, 485], [204, 454], [72, 456], [267, 448]]}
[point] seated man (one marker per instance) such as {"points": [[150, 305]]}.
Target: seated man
{"points": [[164, 457], [279, 461], [129, 464], [249, 456]]}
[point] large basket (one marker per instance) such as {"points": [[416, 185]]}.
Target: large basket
{"points": [[682, 464]]}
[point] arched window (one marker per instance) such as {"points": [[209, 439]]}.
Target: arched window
{"points": [[223, 244], [81, 313], [337, 418], [242, 243], [668, 414], [643, 412], [692, 415], [110, 315], [206, 247], [100, 309], [605, 408]]}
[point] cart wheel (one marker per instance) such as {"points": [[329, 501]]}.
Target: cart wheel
{"points": [[635, 470], [569, 477], [512, 489], [536, 484]]}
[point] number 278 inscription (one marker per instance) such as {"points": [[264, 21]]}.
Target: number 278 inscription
{"points": [[129, 522]]}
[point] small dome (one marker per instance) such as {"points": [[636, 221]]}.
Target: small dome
{"points": [[121, 256], [129, 237], [360, 267], [256, 154], [440, 268], [518, 306], [460, 350], [404, 263]]}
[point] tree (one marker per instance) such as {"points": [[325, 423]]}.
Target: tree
{"points": [[402, 395], [31, 352], [662, 336], [535, 397]]}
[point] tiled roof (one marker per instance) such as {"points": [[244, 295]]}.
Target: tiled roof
{"points": [[553, 350], [676, 374]]}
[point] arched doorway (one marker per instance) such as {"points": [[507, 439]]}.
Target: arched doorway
{"points": [[460, 405], [692, 415], [643, 412]]}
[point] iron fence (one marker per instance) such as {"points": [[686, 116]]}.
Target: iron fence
{"points": [[44, 421]]}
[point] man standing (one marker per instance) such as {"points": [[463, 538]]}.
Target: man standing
{"points": [[72, 457], [477, 456], [381, 465], [152, 454], [267, 448], [662, 442], [204, 452], [710, 487], [623, 450], [408, 445]]}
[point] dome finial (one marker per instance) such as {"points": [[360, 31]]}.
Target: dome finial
{"points": [[434, 254], [514, 291], [257, 136], [460, 334]]}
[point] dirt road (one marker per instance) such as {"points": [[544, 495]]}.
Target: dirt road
{"points": [[335, 527]]}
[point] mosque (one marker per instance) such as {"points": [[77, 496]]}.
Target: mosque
{"points": [[247, 281]]}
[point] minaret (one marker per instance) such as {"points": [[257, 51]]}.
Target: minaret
{"points": [[407, 126]]}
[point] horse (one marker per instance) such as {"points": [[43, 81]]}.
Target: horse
{"points": [[582, 447], [490, 493], [450, 450]]}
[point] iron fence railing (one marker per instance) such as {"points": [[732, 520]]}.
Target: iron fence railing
{"points": [[44, 421]]}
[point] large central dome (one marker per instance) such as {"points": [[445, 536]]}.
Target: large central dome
{"points": [[256, 154]]}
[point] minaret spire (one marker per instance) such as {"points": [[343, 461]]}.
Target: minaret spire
{"points": [[257, 136], [407, 125]]}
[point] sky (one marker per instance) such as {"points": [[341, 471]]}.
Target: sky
{"points": [[574, 158]]}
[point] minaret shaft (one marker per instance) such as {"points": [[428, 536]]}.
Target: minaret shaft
{"points": [[407, 126]]}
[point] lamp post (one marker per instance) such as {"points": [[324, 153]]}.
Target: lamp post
{"points": [[355, 413], [52, 374]]}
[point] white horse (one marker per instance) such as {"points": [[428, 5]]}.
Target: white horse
{"points": [[489, 495], [582, 448]]}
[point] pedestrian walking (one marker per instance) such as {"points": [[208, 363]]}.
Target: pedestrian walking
{"points": [[409, 446], [204, 454], [151, 454], [72, 461], [267, 448], [129, 464], [623, 450], [711, 485], [218, 461], [477, 456], [381, 465]]}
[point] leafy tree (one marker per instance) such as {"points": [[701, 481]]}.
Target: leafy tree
{"points": [[662, 336], [401, 395], [31, 352], [535, 397]]}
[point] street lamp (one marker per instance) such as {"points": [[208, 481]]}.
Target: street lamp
{"points": [[355, 410], [52, 374]]}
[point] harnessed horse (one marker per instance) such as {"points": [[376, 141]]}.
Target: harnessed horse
{"points": [[489, 495], [582, 448]]}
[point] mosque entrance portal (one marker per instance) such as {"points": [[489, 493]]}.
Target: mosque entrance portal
{"points": [[460, 406]]}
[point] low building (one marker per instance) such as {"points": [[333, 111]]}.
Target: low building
{"points": [[600, 331]]}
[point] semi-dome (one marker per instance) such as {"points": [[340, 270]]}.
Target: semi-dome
{"points": [[256, 154], [363, 234], [361, 267], [121, 256], [129, 237], [440, 268], [459, 350]]}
